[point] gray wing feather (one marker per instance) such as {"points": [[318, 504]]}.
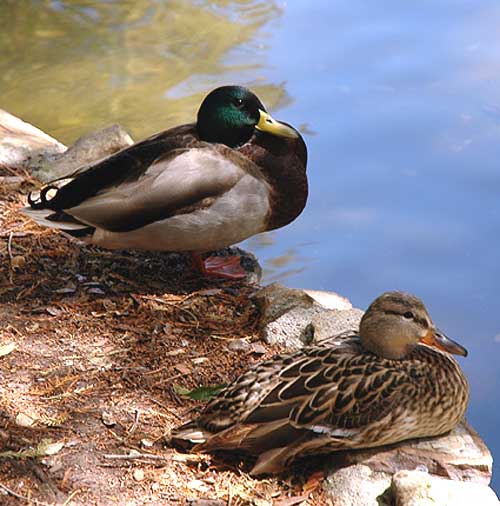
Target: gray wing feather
{"points": [[183, 178]]}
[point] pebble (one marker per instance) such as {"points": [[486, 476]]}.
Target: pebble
{"points": [[138, 474]]}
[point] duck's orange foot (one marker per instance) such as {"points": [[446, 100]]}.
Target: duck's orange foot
{"points": [[228, 267]]}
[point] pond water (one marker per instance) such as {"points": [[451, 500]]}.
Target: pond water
{"points": [[399, 105]]}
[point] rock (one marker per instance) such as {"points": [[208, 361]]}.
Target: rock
{"points": [[460, 456], [275, 300], [86, 150], [418, 488], [138, 474], [328, 323], [357, 485], [329, 300], [239, 345], [293, 318], [22, 144]]}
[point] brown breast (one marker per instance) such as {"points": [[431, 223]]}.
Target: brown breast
{"points": [[283, 163]]}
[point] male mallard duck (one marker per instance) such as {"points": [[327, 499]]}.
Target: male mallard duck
{"points": [[395, 380], [198, 187]]}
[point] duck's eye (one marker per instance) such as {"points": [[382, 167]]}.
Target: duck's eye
{"points": [[409, 315], [239, 103]]}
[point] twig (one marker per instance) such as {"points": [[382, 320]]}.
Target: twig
{"points": [[134, 426], [11, 492], [158, 403], [29, 500], [14, 234], [134, 456], [9, 246], [9, 249], [123, 440], [70, 498]]}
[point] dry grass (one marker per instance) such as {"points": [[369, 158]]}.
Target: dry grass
{"points": [[100, 340]]}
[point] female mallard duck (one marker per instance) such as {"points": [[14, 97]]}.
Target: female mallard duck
{"points": [[199, 187], [393, 381]]}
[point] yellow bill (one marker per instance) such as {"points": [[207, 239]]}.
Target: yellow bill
{"points": [[268, 124]]}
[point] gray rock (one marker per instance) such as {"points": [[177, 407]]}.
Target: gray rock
{"points": [[275, 300], [418, 488], [293, 318], [86, 150], [457, 457], [22, 144], [358, 485], [239, 345], [328, 323]]}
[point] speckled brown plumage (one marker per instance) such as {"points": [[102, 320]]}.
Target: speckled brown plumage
{"points": [[334, 396]]}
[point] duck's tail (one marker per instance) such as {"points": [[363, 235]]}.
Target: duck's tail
{"points": [[42, 210], [58, 220]]}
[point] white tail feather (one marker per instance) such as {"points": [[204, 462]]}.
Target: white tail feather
{"points": [[40, 217]]}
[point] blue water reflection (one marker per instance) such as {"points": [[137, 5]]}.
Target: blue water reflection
{"points": [[404, 173]]}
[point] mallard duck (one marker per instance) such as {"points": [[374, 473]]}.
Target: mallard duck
{"points": [[198, 187], [393, 380]]}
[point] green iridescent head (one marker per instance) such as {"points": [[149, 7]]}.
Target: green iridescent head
{"points": [[230, 114]]}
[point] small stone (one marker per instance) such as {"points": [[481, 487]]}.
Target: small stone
{"points": [[6, 349], [108, 419], [52, 448], [146, 443], [138, 474], [24, 420], [239, 345], [258, 349]]}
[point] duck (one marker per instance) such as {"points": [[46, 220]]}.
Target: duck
{"points": [[195, 188], [391, 380]]}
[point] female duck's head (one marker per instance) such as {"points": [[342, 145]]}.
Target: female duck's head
{"points": [[396, 322], [230, 115]]}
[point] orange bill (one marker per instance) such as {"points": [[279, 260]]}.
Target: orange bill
{"points": [[437, 339]]}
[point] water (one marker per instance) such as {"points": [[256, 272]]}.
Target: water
{"points": [[400, 106]]}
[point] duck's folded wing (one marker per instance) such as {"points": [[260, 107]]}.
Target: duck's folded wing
{"points": [[126, 165], [172, 184], [331, 395]]}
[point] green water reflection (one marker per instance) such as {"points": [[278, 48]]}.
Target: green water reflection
{"points": [[71, 67]]}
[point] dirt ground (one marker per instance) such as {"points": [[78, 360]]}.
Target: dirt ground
{"points": [[93, 347]]}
